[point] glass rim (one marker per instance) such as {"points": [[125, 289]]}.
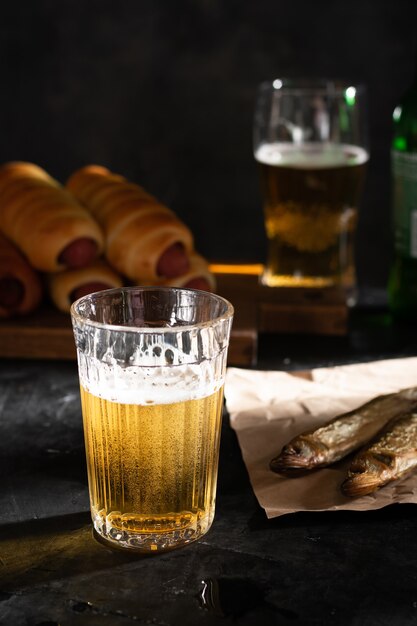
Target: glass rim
{"points": [[310, 85], [79, 319]]}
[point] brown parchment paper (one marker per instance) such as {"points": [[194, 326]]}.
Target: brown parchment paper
{"points": [[268, 408]]}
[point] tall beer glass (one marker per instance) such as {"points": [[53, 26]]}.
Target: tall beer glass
{"points": [[310, 141], [151, 365]]}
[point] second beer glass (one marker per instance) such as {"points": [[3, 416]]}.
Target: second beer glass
{"points": [[310, 141]]}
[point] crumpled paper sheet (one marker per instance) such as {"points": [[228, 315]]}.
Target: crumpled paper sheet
{"points": [[268, 408]]}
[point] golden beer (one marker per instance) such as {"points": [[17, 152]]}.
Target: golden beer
{"points": [[152, 468], [311, 195]]}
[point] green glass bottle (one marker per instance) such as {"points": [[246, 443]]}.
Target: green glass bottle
{"points": [[402, 284]]}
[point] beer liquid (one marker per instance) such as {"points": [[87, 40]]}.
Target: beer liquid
{"points": [[152, 469], [311, 195]]}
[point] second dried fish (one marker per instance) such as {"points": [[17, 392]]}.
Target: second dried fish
{"points": [[343, 434], [391, 455]]}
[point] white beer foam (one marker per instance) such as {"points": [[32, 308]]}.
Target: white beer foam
{"points": [[310, 155], [148, 385]]}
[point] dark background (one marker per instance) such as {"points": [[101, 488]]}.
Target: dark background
{"points": [[163, 92]]}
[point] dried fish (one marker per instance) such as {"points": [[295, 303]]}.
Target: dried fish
{"points": [[388, 457], [342, 435]]}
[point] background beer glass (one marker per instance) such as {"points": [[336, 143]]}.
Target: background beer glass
{"points": [[151, 366], [310, 141]]}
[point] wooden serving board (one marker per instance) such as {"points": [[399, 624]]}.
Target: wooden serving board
{"points": [[47, 333]]}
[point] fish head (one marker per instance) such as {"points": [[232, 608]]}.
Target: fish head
{"points": [[368, 472], [299, 454]]}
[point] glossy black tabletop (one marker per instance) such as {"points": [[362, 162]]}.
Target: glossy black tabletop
{"points": [[351, 568]]}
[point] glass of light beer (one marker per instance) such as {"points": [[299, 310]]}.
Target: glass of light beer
{"points": [[311, 144], [151, 364]]}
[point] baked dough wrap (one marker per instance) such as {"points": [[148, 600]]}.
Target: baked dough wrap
{"points": [[62, 286], [138, 229], [199, 270], [42, 218], [22, 282], [24, 169]]}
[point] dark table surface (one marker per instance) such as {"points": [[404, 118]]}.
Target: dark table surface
{"points": [[351, 568]]}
